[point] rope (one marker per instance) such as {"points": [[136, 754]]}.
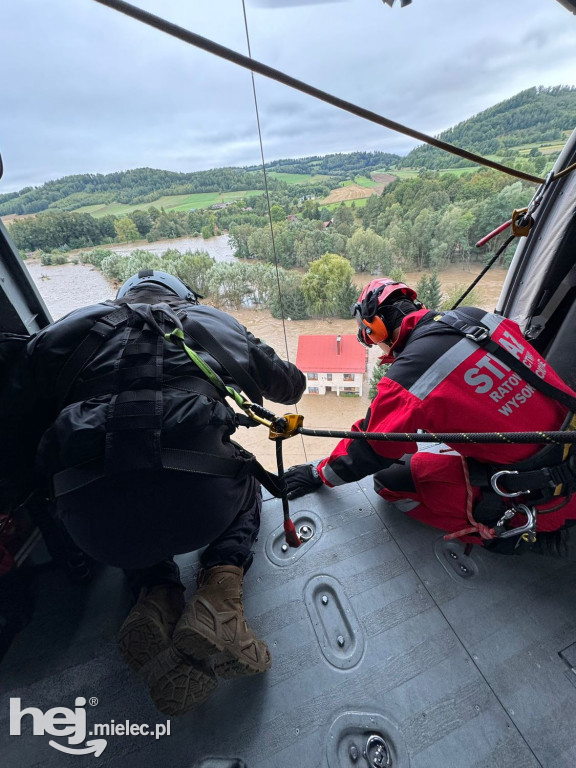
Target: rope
{"points": [[446, 437], [274, 74], [491, 263], [268, 205]]}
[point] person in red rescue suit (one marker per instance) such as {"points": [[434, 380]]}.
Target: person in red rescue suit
{"points": [[134, 439], [441, 381]]}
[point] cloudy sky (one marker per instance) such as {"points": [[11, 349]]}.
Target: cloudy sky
{"points": [[87, 90]]}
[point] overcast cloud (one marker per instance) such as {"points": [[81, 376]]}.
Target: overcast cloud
{"points": [[87, 90]]}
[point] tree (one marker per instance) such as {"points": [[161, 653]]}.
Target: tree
{"points": [[327, 284], [451, 236], [364, 250], [277, 213], [289, 303], [240, 284], [238, 239], [126, 231], [472, 299], [429, 291], [344, 220], [379, 370], [422, 231], [194, 269], [142, 221]]}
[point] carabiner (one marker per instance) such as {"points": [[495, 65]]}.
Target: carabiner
{"points": [[529, 526], [499, 491]]}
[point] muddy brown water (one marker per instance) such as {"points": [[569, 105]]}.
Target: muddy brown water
{"points": [[70, 286]]}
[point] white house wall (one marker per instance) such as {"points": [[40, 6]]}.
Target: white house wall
{"points": [[337, 384]]}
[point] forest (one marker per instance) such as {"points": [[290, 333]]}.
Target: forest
{"points": [[534, 116]]}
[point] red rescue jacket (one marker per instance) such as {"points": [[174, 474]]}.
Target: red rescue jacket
{"points": [[447, 383]]}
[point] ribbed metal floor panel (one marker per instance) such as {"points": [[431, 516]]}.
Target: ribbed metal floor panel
{"points": [[376, 628]]}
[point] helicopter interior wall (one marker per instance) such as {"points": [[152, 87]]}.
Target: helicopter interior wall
{"points": [[560, 351], [22, 309], [536, 281]]}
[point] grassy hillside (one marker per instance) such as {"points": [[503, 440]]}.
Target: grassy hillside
{"points": [[535, 119]]}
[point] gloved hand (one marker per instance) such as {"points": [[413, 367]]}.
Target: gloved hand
{"points": [[302, 479]]}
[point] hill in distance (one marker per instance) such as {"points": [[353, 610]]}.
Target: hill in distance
{"points": [[536, 120]]}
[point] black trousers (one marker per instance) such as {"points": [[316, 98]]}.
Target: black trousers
{"points": [[138, 521]]}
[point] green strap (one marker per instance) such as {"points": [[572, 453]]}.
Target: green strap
{"points": [[177, 336]]}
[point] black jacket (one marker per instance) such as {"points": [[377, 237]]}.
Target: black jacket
{"points": [[38, 431]]}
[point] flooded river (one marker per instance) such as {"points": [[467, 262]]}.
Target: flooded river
{"points": [[217, 247], [70, 286]]}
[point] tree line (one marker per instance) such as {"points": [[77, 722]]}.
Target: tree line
{"points": [[146, 185], [422, 223], [141, 185]]}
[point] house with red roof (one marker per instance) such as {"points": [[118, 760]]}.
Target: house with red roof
{"points": [[332, 364]]}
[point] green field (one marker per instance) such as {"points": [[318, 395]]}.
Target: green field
{"points": [[359, 203], [298, 178], [363, 181], [459, 171], [405, 173], [169, 203]]}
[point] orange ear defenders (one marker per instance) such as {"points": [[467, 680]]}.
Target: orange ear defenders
{"points": [[372, 329]]}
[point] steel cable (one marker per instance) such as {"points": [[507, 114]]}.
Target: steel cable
{"points": [[275, 74]]}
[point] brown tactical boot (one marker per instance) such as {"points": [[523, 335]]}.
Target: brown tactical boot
{"points": [[213, 622], [176, 683], [148, 627]]}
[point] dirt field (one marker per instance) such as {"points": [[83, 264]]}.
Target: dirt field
{"points": [[384, 178], [351, 192]]}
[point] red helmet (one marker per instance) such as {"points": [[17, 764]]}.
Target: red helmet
{"points": [[384, 290]]}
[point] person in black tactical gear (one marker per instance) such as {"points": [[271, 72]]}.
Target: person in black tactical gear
{"points": [[136, 442]]}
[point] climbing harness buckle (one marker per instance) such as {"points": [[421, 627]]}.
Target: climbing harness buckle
{"points": [[478, 333], [528, 529], [494, 483]]}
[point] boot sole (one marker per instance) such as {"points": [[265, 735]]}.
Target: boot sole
{"points": [[178, 684], [200, 640], [140, 640]]}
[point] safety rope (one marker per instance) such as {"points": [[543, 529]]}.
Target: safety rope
{"points": [[257, 413], [490, 264], [290, 425], [269, 207], [554, 437], [274, 74]]}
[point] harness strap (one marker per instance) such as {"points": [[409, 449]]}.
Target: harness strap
{"points": [[74, 478], [102, 330], [104, 385], [480, 334], [210, 344], [554, 480], [550, 480]]}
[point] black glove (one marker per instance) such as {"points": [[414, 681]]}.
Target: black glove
{"points": [[302, 479]]}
